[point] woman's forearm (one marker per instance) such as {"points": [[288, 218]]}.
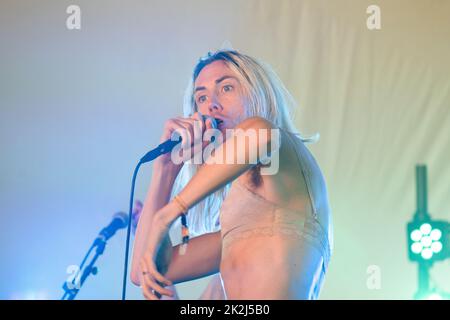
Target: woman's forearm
{"points": [[202, 258], [212, 176], [158, 196]]}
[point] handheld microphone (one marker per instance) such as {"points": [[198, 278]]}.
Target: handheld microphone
{"points": [[168, 145], [119, 221]]}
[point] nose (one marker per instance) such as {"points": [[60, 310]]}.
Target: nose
{"points": [[214, 106]]}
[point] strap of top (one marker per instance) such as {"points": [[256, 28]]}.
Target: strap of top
{"points": [[301, 162]]}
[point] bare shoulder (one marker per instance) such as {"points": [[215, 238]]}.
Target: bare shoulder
{"points": [[286, 185]]}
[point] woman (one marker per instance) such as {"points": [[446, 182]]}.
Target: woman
{"points": [[276, 231]]}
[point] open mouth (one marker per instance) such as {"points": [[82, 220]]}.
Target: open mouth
{"points": [[219, 123]]}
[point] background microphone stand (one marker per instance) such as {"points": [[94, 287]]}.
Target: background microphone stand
{"points": [[71, 288]]}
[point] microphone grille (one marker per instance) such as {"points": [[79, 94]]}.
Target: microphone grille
{"points": [[123, 217]]}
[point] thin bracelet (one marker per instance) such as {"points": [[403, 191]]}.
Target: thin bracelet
{"points": [[181, 203]]}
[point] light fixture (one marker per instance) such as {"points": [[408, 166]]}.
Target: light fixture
{"points": [[428, 241]]}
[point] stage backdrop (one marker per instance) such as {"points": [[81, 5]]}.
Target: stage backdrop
{"points": [[79, 107]]}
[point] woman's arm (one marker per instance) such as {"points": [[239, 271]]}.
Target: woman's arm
{"points": [[212, 176], [165, 172], [202, 258], [157, 197], [203, 255]]}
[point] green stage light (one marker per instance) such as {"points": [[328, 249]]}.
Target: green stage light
{"points": [[416, 235], [425, 228], [436, 247], [427, 253], [428, 241], [416, 247], [436, 234]]}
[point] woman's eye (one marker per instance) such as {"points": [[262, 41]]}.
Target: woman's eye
{"points": [[201, 99], [227, 88]]}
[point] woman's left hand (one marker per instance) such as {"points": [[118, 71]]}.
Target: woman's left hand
{"points": [[157, 256]]}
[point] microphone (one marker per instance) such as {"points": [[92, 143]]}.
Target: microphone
{"points": [[119, 221], [168, 145]]}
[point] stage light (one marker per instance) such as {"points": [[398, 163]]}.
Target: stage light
{"points": [[425, 228], [416, 247], [436, 234], [428, 241], [416, 235], [434, 296], [426, 253], [436, 247]]}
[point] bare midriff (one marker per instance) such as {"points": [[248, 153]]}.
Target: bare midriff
{"points": [[262, 267]]}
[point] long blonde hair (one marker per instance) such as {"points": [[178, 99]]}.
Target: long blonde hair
{"points": [[265, 96]]}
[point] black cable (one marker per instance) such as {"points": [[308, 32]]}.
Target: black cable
{"points": [[127, 244], [163, 148]]}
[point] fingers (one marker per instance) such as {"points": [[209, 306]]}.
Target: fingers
{"points": [[179, 125], [152, 281], [149, 267], [195, 121], [198, 116], [209, 123], [148, 293], [150, 284], [191, 130], [186, 132]]}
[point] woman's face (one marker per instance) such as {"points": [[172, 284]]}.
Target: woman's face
{"points": [[218, 93]]}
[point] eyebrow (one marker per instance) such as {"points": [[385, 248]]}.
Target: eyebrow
{"points": [[217, 82]]}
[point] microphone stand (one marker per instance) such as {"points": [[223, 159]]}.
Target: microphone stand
{"points": [[71, 289]]}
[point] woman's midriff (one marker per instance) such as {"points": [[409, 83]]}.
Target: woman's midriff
{"points": [[264, 267]]}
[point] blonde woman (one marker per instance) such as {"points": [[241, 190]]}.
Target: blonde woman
{"points": [[275, 236]]}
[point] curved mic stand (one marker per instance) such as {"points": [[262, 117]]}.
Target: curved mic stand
{"points": [[72, 288]]}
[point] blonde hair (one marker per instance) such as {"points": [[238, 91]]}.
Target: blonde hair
{"points": [[265, 96]]}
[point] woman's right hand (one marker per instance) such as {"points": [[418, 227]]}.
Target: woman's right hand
{"points": [[193, 126]]}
